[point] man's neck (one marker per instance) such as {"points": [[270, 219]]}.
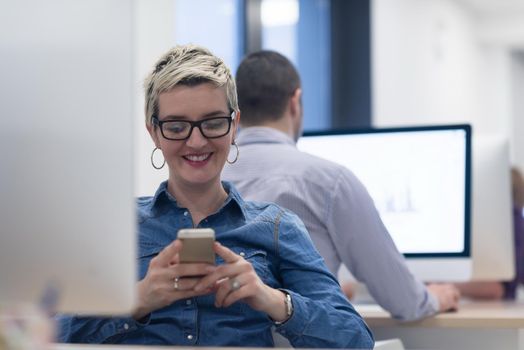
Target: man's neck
{"points": [[282, 125]]}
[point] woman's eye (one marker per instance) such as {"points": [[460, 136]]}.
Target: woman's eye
{"points": [[214, 124], [176, 127]]}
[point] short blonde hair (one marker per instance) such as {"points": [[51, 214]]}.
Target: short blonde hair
{"points": [[187, 65]]}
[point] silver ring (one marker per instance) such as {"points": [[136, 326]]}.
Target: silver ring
{"points": [[234, 284], [175, 285]]}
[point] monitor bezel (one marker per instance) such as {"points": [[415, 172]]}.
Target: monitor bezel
{"points": [[466, 252]]}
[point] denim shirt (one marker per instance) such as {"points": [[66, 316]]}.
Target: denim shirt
{"points": [[276, 243]]}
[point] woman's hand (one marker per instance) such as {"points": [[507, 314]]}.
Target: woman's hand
{"points": [[237, 280], [167, 281]]}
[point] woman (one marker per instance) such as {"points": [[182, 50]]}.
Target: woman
{"points": [[267, 272]]}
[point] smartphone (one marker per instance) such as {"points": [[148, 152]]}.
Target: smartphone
{"points": [[197, 245]]}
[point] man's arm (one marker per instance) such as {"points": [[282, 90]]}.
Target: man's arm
{"points": [[366, 248], [482, 290], [447, 294]]}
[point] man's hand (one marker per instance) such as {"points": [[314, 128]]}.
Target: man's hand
{"points": [[348, 288], [447, 295]]}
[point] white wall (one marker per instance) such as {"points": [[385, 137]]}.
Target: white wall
{"points": [[424, 63], [495, 84], [505, 27], [436, 61], [153, 35]]}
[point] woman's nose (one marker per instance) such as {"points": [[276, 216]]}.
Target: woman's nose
{"points": [[196, 139]]}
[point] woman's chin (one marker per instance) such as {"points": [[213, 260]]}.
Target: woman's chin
{"points": [[197, 179]]}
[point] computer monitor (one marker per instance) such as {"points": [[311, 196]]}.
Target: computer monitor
{"points": [[67, 213], [492, 224], [419, 179]]}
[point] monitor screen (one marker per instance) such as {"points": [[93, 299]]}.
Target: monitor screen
{"points": [[67, 212], [418, 177]]}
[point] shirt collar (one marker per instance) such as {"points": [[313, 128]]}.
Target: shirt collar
{"points": [[263, 134], [234, 198], [162, 197], [161, 194]]}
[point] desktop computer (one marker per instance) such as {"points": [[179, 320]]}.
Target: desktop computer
{"points": [[67, 212], [492, 244], [419, 179]]}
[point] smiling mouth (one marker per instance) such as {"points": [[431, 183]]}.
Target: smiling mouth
{"points": [[197, 157]]}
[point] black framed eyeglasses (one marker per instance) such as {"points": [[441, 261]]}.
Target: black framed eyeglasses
{"points": [[210, 128]]}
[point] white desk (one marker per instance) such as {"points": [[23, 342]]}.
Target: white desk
{"points": [[137, 347], [104, 347], [477, 325]]}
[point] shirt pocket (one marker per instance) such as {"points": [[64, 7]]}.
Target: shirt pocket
{"points": [[256, 257]]}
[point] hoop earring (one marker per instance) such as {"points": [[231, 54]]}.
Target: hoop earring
{"points": [[236, 157], [153, 162]]}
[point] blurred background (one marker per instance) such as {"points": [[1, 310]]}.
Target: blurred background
{"points": [[363, 62]]}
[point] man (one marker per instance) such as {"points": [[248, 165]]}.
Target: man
{"points": [[335, 207]]}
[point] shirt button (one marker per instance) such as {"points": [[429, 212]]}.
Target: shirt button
{"points": [[242, 254], [190, 337], [185, 213], [188, 302], [126, 326]]}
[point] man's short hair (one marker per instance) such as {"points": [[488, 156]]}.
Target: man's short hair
{"points": [[188, 65], [266, 80]]}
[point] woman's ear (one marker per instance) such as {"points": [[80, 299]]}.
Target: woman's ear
{"points": [[153, 133], [235, 126]]}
